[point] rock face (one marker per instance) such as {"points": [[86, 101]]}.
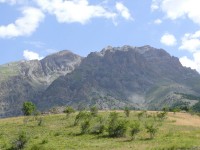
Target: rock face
{"points": [[26, 80], [140, 77]]}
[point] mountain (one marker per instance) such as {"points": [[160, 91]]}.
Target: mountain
{"points": [[26, 80], [138, 77]]}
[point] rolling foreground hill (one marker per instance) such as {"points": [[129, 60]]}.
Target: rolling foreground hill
{"points": [[180, 131], [25, 80], [138, 77]]}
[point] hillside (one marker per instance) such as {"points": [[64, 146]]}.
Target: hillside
{"points": [[138, 77], [178, 131], [25, 80]]}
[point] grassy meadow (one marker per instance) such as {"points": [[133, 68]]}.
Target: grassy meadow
{"points": [[58, 132]]}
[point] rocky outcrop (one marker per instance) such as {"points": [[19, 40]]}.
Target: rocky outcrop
{"points": [[26, 80]]}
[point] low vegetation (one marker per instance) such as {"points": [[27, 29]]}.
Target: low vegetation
{"points": [[109, 130]]}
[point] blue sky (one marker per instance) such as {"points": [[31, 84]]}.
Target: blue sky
{"points": [[32, 29]]}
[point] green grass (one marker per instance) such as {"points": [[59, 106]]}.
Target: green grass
{"points": [[58, 133], [8, 70]]}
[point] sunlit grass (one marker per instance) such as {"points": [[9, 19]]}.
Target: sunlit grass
{"points": [[58, 133]]}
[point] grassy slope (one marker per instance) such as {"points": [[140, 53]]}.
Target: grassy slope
{"points": [[178, 131], [9, 70]]}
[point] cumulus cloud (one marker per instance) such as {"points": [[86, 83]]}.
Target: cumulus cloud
{"points": [[157, 21], [192, 63], [175, 9], [12, 2], [155, 5], [74, 10], [30, 55], [123, 10], [168, 39], [23, 26], [191, 42]]}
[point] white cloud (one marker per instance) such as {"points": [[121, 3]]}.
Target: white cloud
{"points": [[168, 39], [194, 64], [191, 42], [157, 21], [154, 5], [12, 2], [8, 1], [123, 10], [30, 55], [74, 10], [23, 26], [175, 9]]}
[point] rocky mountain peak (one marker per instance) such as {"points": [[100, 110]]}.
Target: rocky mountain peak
{"points": [[26, 80], [118, 76]]}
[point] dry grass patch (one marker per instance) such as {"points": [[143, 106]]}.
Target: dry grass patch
{"points": [[184, 119]]}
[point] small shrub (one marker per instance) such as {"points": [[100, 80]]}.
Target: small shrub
{"points": [[28, 108], [98, 129], [113, 117], [44, 141], [165, 109], [127, 111], [36, 114], [85, 127], [151, 129], [20, 142], [135, 129], [116, 127], [94, 111], [142, 115], [40, 121], [100, 126], [176, 109], [162, 115], [69, 110], [57, 134], [82, 115]]}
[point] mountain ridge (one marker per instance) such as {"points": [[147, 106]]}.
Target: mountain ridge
{"points": [[25, 80], [139, 77], [105, 79]]}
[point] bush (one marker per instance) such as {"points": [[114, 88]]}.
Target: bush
{"points": [[44, 141], [85, 126], [127, 111], [20, 142], [116, 127], [151, 129], [162, 115], [135, 129], [28, 108], [100, 126], [98, 129], [69, 110], [94, 111], [40, 121], [82, 115], [142, 114]]}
